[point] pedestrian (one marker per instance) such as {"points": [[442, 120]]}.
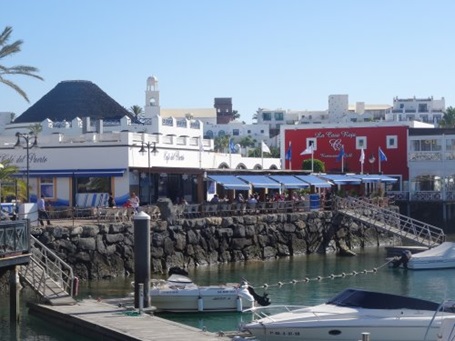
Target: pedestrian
{"points": [[111, 200], [42, 213], [134, 201]]}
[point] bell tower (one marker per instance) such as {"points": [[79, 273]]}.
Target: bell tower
{"points": [[152, 97]]}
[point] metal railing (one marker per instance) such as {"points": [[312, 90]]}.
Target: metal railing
{"points": [[389, 220], [47, 273], [14, 238]]}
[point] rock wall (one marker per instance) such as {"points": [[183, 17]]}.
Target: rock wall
{"points": [[106, 250]]}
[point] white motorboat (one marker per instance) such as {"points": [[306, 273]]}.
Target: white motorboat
{"points": [[345, 317], [439, 257], [179, 294]]}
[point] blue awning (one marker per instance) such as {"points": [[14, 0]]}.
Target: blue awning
{"points": [[289, 181], [260, 181], [341, 179], [375, 178], [314, 181], [230, 182], [73, 172]]}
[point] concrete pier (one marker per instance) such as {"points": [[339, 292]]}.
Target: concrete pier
{"points": [[111, 320]]}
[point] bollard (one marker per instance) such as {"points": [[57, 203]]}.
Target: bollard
{"points": [[365, 336], [141, 259]]}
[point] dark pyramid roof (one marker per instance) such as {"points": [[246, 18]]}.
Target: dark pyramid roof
{"points": [[71, 99]]}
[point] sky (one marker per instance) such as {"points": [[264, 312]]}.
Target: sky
{"points": [[289, 54]]}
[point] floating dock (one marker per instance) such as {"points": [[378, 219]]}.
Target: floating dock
{"points": [[112, 320]]}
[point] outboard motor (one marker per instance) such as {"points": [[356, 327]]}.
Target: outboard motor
{"points": [[262, 300], [406, 255]]}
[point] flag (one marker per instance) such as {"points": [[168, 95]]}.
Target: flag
{"points": [[289, 152], [232, 146], [382, 156], [362, 157], [309, 150], [341, 154], [265, 148]]}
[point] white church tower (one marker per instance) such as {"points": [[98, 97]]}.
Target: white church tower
{"points": [[152, 97]]}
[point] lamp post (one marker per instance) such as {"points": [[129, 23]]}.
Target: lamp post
{"points": [[27, 138], [151, 148]]}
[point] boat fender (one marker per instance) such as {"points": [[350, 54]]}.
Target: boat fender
{"points": [[75, 286], [200, 304], [239, 304], [262, 300]]}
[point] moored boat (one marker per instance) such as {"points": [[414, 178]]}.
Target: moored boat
{"points": [[438, 257], [179, 294], [345, 317]]}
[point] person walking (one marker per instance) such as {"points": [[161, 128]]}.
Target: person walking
{"points": [[42, 213], [111, 200], [134, 202]]}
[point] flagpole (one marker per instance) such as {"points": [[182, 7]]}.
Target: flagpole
{"points": [[379, 159], [361, 167], [312, 160], [262, 157]]}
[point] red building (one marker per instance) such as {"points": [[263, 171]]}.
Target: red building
{"points": [[330, 142]]}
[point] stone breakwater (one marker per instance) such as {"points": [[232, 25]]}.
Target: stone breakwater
{"points": [[97, 251]]}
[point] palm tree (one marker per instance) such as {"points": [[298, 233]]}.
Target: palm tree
{"points": [[7, 50], [448, 120], [221, 142], [235, 115], [8, 185], [137, 112]]}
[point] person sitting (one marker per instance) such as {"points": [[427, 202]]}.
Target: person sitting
{"points": [[215, 199]]}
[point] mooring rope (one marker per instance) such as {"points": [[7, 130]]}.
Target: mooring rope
{"points": [[320, 278]]}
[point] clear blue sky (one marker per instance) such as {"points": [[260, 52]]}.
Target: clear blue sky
{"points": [[289, 54]]}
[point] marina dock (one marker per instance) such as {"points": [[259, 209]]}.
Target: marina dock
{"points": [[113, 320]]}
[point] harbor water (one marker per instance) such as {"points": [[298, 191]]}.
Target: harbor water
{"points": [[301, 280]]}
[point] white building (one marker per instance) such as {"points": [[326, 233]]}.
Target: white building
{"points": [[426, 110], [153, 156]]}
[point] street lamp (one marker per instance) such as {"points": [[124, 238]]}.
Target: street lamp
{"points": [[27, 146], [151, 148]]}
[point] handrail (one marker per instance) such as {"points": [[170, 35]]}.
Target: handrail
{"points": [[392, 221], [14, 237], [44, 265]]}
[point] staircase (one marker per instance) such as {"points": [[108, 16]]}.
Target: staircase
{"points": [[49, 275], [387, 220]]}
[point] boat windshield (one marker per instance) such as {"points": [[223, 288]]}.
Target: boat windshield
{"points": [[376, 300]]}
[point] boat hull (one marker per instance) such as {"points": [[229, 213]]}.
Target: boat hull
{"points": [[206, 299]]}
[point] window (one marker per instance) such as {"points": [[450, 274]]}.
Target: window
{"points": [[47, 188], [221, 133], [235, 132], [249, 131], [278, 116], [423, 107], [266, 116], [401, 105], [93, 184], [392, 142], [311, 141], [361, 142]]}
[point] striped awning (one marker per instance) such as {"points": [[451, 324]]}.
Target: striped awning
{"points": [[289, 181], [314, 181], [260, 181]]}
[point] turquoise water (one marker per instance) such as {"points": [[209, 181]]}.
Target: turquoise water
{"points": [[436, 285]]}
